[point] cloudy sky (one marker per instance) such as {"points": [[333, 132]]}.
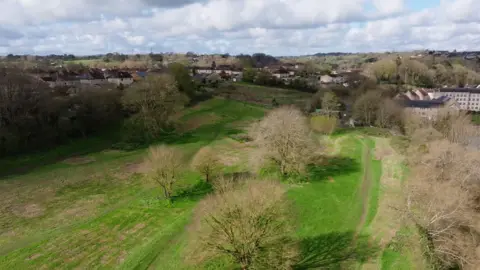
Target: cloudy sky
{"points": [[278, 27]]}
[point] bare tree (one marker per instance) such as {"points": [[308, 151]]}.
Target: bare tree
{"points": [[248, 223], [442, 200], [154, 101], [366, 106], [207, 163], [330, 103], [283, 137], [456, 126], [389, 114], [323, 124], [164, 163]]}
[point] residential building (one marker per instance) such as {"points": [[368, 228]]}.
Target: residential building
{"points": [[467, 98], [326, 79], [429, 108], [281, 74]]}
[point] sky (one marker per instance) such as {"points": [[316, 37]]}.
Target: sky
{"points": [[276, 27]]}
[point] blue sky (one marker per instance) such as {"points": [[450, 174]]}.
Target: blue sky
{"points": [[278, 27], [418, 5]]}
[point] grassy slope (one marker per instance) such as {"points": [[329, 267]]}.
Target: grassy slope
{"points": [[329, 212], [97, 215], [263, 95]]}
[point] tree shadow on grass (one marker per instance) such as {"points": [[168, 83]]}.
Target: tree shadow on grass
{"points": [[335, 251], [332, 166], [194, 193], [207, 133]]}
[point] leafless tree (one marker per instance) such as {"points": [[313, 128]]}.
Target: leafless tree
{"points": [[164, 163], [330, 102], [366, 106], [323, 124], [456, 126], [283, 137], [154, 101], [207, 163], [248, 223], [389, 114], [442, 200]]}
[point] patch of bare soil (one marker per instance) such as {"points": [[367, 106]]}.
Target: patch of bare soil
{"points": [[83, 208], [136, 228], [28, 210], [136, 168], [78, 160], [387, 221], [365, 188], [112, 151], [34, 256], [121, 258], [196, 122]]}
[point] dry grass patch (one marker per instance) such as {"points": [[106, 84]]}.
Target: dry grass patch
{"points": [[231, 152], [198, 121], [132, 168], [34, 256], [83, 208], [78, 160], [31, 210], [121, 258], [386, 222], [137, 228]]}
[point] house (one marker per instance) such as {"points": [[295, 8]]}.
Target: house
{"points": [[281, 73], [203, 70], [467, 98], [326, 79], [119, 78], [429, 109]]}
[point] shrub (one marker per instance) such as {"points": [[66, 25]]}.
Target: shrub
{"points": [[283, 137], [323, 124], [164, 163], [247, 222]]}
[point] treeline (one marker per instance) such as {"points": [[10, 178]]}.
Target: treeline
{"points": [[413, 72], [265, 78], [442, 192], [34, 116]]}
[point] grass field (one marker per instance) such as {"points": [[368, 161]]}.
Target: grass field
{"points": [[263, 95], [95, 211]]}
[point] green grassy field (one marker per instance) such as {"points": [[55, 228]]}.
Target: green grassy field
{"points": [[263, 95], [95, 211]]}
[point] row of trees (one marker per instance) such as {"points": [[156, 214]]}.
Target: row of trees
{"points": [[34, 116], [263, 77], [413, 72], [246, 219], [443, 189]]}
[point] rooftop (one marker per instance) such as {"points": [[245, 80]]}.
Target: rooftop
{"points": [[425, 103], [460, 90]]}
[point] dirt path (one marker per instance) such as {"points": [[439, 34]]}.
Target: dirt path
{"points": [[386, 222], [365, 188], [337, 145]]}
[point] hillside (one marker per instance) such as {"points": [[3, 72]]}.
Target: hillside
{"points": [[96, 211]]}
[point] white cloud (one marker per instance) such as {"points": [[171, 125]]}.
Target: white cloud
{"points": [[280, 27]]}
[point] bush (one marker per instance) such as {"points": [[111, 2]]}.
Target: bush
{"points": [[246, 222], [323, 124], [283, 138]]}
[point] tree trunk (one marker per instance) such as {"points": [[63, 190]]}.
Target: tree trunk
{"points": [[165, 193]]}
